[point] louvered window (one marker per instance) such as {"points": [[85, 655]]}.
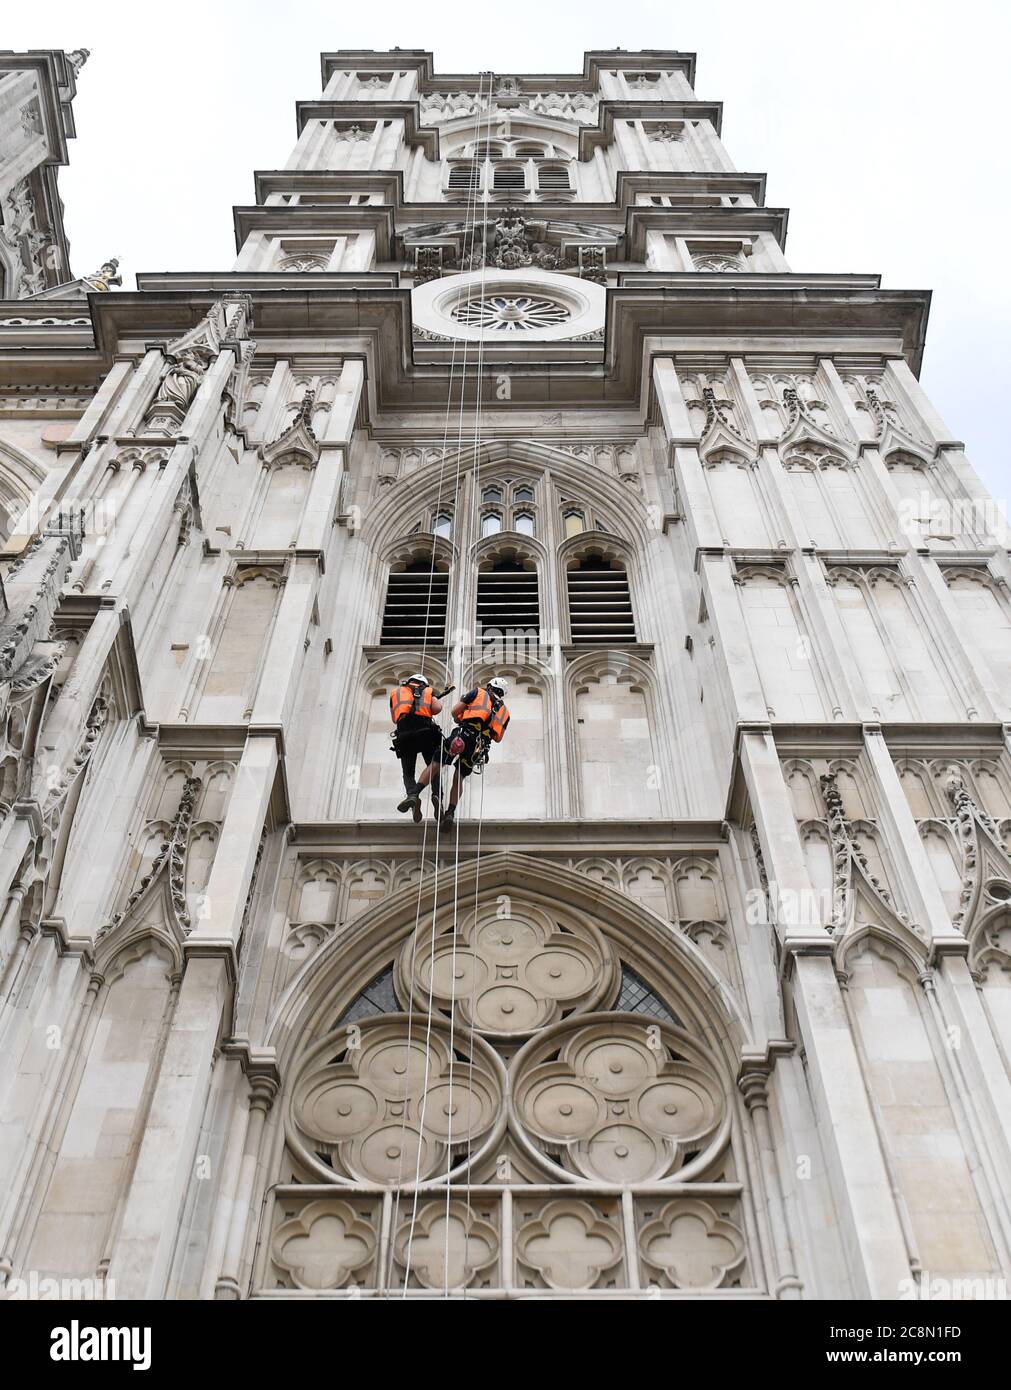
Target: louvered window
{"points": [[507, 601], [600, 604], [465, 177], [510, 176], [553, 176], [416, 606]]}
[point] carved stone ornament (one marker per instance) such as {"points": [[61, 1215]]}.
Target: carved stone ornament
{"points": [[569, 1244], [617, 1099], [508, 976], [851, 872], [690, 1246], [169, 866], [297, 443], [324, 1245], [450, 1245], [385, 1101], [176, 390]]}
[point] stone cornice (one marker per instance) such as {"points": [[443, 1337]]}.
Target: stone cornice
{"points": [[694, 222], [358, 111], [376, 324], [389, 182], [631, 110], [251, 281], [630, 183], [286, 220], [421, 61], [846, 740], [537, 837], [756, 280]]}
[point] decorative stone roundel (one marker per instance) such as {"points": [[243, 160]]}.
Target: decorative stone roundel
{"points": [[511, 313], [508, 976], [498, 305], [377, 1103], [616, 1099]]}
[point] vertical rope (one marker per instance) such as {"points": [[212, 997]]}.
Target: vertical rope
{"points": [[466, 607], [471, 226]]}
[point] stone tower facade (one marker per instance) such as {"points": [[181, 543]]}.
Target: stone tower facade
{"points": [[707, 992]]}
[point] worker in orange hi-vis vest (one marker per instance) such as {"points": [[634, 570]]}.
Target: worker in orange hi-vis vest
{"points": [[481, 719], [413, 707]]}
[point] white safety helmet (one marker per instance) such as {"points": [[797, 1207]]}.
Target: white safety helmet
{"points": [[498, 685], [417, 678]]}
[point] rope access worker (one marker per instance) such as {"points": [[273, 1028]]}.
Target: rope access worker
{"points": [[413, 707], [481, 719]]}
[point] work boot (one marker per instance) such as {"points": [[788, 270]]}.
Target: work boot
{"points": [[416, 812], [411, 800], [449, 815]]}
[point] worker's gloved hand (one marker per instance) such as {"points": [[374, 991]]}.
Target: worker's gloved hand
{"points": [[457, 746]]}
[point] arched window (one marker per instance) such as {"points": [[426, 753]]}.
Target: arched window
{"points": [[523, 522], [491, 494], [510, 176], [507, 602], [523, 492], [530, 151], [588, 1006], [600, 603], [574, 521], [491, 523], [442, 524], [553, 176], [465, 177], [415, 610]]}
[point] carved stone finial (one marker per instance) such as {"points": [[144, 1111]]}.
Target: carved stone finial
{"points": [[77, 59], [304, 413]]}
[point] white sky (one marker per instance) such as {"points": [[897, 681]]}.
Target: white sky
{"points": [[882, 125]]}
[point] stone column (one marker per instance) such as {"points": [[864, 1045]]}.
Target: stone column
{"points": [[262, 1090], [142, 1253], [871, 1227]]}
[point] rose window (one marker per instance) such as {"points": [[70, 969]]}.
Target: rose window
{"points": [[511, 313]]}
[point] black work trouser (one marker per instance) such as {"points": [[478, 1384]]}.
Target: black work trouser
{"points": [[427, 742]]}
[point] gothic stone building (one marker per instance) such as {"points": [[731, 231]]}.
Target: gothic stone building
{"points": [[707, 994]]}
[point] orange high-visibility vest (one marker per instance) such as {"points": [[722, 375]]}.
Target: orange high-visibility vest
{"points": [[481, 710], [404, 699]]}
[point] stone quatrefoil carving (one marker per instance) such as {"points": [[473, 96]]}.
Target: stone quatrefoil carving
{"points": [[564, 1243], [509, 976], [616, 1099], [397, 1103]]}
